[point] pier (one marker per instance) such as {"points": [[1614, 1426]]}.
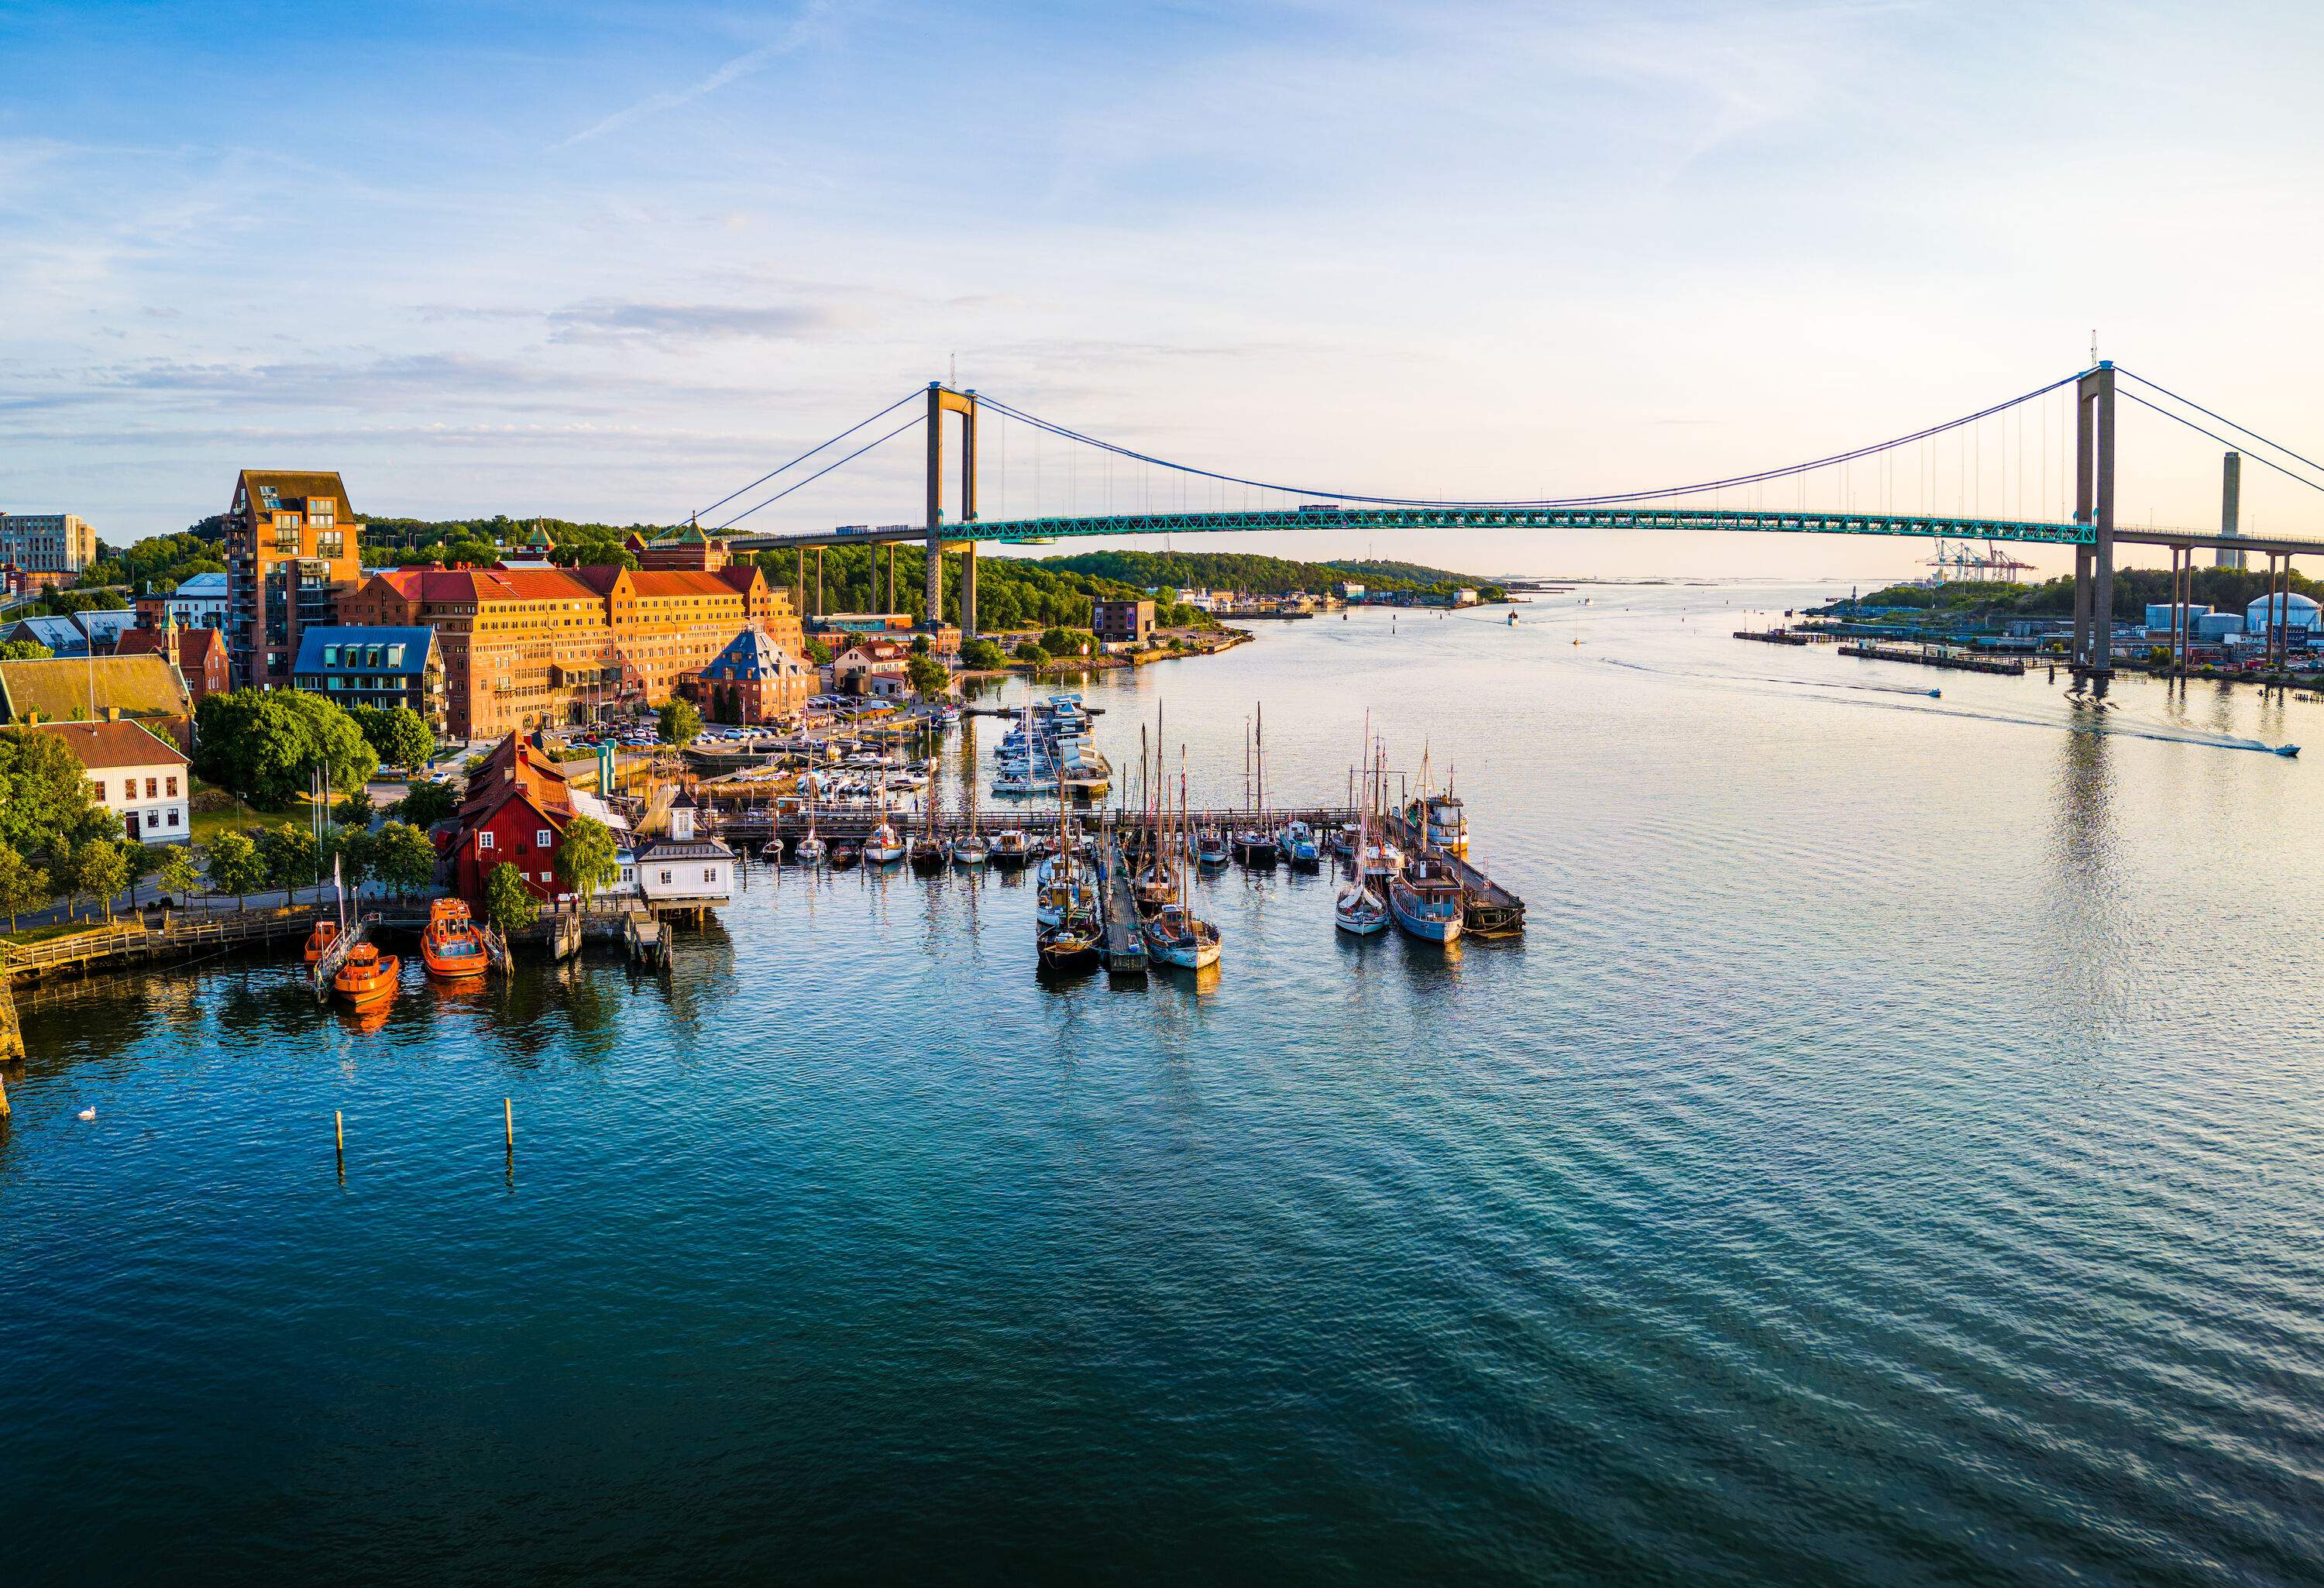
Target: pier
{"points": [[134, 941], [852, 824], [1934, 656], [1125, 944]]}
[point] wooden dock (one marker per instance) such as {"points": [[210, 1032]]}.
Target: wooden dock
{"points": [[754, 827], [646, 938], [1125, 944], [134, 941]]}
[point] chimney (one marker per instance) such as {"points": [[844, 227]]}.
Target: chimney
{"points": [[2231, 491]]}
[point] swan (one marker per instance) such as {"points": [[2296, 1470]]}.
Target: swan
{"points": [[88, 1114]]}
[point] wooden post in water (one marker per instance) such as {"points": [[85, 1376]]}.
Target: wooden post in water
{"points": [[339, 1137], [508, 1118], [4, 1099]]}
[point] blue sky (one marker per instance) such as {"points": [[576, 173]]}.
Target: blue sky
{"points": [[609, 262]]}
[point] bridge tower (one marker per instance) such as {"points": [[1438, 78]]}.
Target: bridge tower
{"points": [[942, 400], [2094, 505]]}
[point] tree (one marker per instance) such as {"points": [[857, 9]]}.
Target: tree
{"points": [[400, 735], [509, 904], [265, 745], [287, 855], [357, 854], [23, 885], [402, 858], [818, 653], [424, 804], [45, 806], [922, 645], [1060, 641], [929, 677], [679, 721], [99, 867], [355, 811], [178, 873], [235, 868], [1029, 651], [983, 654], [25, 650], [588, 859]]}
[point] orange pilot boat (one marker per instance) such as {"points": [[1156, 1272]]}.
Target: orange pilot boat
{"points": [[451, 948], [367, 980], [319, 940]]}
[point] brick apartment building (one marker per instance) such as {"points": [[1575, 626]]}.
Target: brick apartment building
{"points": [[292, 547], [538, 646]]}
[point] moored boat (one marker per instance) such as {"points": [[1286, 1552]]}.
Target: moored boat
{"points": [[451, 948], [319, 940], [844, 856], [1297, 846], [367, 978], [1175, 937], [1426, 899]]}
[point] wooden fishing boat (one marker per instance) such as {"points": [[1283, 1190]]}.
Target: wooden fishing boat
{"points": [[844, 856], [367, 980], [1072, 945], [451, 948], [1426, 899], [319, 940], [1360, 910], [1175, 937]]}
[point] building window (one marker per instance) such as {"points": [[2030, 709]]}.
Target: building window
{"points": [[153, 787], [128, 788], [483, 840], [542, 838], [172, 788], [710, 874], [96, 791], [174, 816], [665, 877], [153, 820]]}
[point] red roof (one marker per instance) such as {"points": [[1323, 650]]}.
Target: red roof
{"points": [[111, 744]]}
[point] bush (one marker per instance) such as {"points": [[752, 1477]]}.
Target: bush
{"points": [[1029, 651], [264, 744], [424, 804], [679, 721], [983, 654]]}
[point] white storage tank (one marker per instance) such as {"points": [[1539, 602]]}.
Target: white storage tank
{"points": [[2158, 616], [2217, 625], [2293, 611]]}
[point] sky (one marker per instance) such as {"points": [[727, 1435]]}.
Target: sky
{"points": [[611, 262]]}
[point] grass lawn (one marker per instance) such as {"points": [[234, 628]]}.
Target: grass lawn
{"points": [[206, 825], [55, 929]]}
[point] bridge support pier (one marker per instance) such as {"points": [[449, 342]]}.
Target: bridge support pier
{"points": [[818, 581], [968, 591], [892, 577]]}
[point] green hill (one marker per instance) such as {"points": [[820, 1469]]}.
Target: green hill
{"points": [[1261, 575]]}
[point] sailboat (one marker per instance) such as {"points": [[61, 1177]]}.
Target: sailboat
{"points": [[1358, 910], [809, 850], [1253, 846], [1174, 934], [885, 847], [1155, 883], [928, 853]]}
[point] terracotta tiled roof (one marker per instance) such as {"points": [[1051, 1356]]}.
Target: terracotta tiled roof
{"points": [[111, 745], [677, 581]]}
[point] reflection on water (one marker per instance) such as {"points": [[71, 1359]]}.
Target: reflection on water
{"points": [[1869, 1166]]}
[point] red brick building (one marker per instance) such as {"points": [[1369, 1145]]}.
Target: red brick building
{"points": [[199, 655]]}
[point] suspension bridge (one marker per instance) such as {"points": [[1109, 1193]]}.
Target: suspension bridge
{"points": [[2071, 503]]}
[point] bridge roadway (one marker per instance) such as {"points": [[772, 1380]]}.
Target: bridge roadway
{"points": [[1021, 530]]}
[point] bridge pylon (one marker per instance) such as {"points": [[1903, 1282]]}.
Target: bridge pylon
{"points": [[2093, 652], [943, 399]]}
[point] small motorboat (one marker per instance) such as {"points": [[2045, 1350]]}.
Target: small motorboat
{"points": [[844, 856], [809, 850], [927, 855], [970, 851], [319, 940], [367, 980], [1255, 849], [1009, 849], [1296, 844], [1211, 850], [451, 948]]}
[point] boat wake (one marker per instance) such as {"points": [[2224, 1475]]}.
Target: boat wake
{"points": [[2084, 720], [1774, 679]]}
